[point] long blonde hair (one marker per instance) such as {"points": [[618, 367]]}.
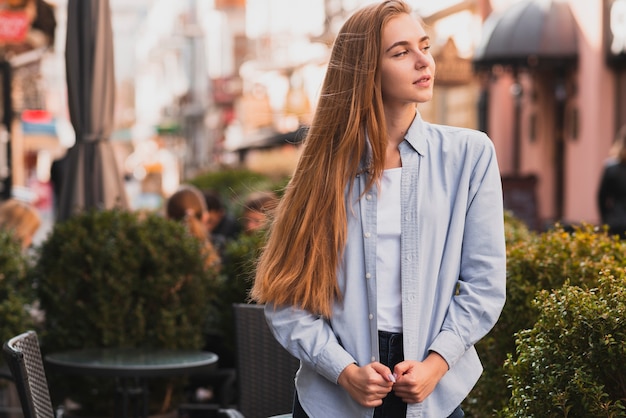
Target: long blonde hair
{"points": [[305, 244]]}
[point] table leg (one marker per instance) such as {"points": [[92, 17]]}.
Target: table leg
{"points": [[132, 393], [144, 389], [121, 399]]}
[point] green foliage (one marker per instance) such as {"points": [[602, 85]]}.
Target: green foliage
{"points": [[119, 279], [571, 363], [238, 276], [515, 230], [536, 262], [15, 291]]}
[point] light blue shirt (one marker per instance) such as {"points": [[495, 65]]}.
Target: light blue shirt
{"points": [[452, 238]]}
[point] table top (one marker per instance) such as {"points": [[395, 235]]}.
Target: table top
{"points": [[132, 362]]}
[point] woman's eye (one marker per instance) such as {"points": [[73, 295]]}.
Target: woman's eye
{"points": [[401, 53], [426, 48]]}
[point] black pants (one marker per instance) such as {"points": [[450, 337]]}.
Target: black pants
{"points": [[391, 353]]}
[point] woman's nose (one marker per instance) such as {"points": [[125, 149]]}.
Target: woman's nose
{"points": [[421, 61]]}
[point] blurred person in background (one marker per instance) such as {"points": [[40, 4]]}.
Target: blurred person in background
{"points": [[386, 259], [187, 205], [221, 225], [21, 219], [612, 190], [256, 210]]}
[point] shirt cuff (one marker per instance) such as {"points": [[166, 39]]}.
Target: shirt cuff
{"points": [[333, 361], [449, 346]]}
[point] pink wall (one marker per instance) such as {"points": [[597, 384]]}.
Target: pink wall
{"points": [[591, 92], [595, 101], [501, 120]]}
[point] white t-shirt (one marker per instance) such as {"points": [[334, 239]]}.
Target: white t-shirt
{"points": [[388, 282]]}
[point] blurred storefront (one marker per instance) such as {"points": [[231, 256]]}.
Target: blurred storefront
{"points": [[213, 82], [28, 138], [553, 97]]}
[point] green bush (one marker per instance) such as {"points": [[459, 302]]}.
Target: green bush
{"points": [[515, 230], [571, 363], [536, 262], [119, 279], [15, 291], [238, 276]]}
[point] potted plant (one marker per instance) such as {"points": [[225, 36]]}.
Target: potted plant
{"points": [[115, 278]]}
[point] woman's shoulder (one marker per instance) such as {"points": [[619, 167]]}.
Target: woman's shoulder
{"points": [[455, 137], [450, 132]]}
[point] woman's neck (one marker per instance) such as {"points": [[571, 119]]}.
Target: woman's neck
{"points": [[398, 124]]}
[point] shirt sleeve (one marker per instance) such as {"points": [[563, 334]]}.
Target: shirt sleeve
{"points": [[309, 338], [476, 306]]}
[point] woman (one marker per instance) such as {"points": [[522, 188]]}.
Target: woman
{"points": [[385, 263], [187, 205]]}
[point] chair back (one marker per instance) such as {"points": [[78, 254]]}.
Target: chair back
{"points": [[265, 370], [24, 359]]}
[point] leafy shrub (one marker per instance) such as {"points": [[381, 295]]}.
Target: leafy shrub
{"points": [[515, 230], [15, 291], [571, 363], [238, 275], [119, 279], [536, 262]]}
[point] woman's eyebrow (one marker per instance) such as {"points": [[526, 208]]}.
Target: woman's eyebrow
{"points": [[395, 44]]}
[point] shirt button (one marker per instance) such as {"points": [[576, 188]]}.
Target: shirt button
{"points": [[408, 257], [367, 235], [371, 316], [373, 359], [368, 276], [368, 197], [407, 218]]}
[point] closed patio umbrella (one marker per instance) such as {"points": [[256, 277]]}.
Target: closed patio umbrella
{"points": [[91, 176]]}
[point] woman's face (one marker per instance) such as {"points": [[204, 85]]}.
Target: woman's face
{"points": [[407, 67]]}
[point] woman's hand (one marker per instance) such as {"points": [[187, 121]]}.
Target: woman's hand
{"points": [[367, 385], [415, 380]]}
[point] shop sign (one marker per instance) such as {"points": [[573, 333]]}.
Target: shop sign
{"points": [[615, 24], [14, 26]]}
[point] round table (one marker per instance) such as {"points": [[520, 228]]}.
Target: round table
{"points": [[127, 364]]}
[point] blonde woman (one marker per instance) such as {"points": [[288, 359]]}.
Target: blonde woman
{"points": [[385, 262], [187, 205], [21, 219]]}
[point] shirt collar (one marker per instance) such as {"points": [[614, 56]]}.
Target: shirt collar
{"points": [[415, 137], [416, 134]]}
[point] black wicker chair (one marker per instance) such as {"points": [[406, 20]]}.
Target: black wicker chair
{"points": [[265, 370], [26, 364]]}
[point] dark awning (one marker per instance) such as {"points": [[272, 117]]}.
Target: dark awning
{"points": [[531, 33], [272, 140]]}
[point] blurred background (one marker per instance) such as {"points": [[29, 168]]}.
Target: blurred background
{"points": [[201, 85]]}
